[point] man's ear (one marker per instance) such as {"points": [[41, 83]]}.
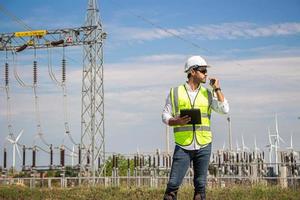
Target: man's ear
{"points": [[192, 71]]}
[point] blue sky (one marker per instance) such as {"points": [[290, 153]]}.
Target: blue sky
{"points": [[253, 45]]}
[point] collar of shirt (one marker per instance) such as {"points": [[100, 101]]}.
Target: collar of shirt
{"points": [[189, 89]]}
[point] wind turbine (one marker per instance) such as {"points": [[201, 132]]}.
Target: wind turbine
{"points": [[244, 147], [292, 147], [256, 149], [270, 145], [237, 146], [223, 148], [277, 143], [277, 136], [15, 146]]}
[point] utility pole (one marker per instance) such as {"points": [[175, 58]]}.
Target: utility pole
{"points": [[92, 110], [91, 37], [229, 133]]}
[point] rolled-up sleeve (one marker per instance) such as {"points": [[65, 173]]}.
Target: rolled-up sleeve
{"points": [[167, 111], [220, 107]]}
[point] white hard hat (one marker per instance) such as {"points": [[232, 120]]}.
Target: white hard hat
{"points": [[194, 61]]}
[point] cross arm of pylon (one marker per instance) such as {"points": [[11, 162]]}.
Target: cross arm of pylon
{"points": [[51, 38]]}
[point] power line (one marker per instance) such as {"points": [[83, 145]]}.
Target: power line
{"points": [[179, 37], [12, 16], [24, 25], [166, 30]]}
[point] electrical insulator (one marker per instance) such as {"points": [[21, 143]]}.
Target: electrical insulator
{"points": [[5, 158], [88, 157], [141, 162], [149, 161], [55, 43], [293, 170], [51, 155], [21, 48], [117, 163], [33, 157], [62, 156], [137, 160], [63, 70], [114, 161], [158, 160], [79, 155], [154, 162], [128, 163], [99, 163], [24, 156], [35, 72], [135, 163], [6, 74], [167, 162]]}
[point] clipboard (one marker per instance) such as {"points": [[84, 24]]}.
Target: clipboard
{"points": [[194, 114]]}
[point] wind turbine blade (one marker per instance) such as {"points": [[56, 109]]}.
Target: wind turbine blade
{"points": [[281, 139], [276, 124], [10, 140], [19, 135], [255, 145], [243, 141], [19, 154], [270, 141], [237, 146]]}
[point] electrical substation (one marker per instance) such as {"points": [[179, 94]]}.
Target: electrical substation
{"points": [[88, 157]]}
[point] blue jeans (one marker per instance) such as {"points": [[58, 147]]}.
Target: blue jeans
{"points": [[180, 164]]}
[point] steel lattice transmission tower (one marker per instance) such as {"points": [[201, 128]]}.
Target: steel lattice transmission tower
{"points": [[92, 110]]}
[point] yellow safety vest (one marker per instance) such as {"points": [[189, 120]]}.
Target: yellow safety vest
{"points": [[184, 135]]}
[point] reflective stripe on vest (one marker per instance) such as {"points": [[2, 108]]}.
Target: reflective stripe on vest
{"points": [[190, 128], [184, 135]]}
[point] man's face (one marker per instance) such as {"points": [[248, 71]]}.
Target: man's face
{"points": [[200, 74]]}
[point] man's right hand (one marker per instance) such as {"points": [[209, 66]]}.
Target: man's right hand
{"points": [[179, 120]]}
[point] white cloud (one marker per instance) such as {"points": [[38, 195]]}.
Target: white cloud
{"points": [[165, 58], [234, 30], [135, 92]]}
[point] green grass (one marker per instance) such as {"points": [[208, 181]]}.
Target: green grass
{"points": [[112, 193]]}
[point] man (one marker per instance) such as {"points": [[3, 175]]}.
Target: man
{"points": [[193, 142]]}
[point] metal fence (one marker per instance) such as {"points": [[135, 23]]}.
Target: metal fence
{"points": [[147, 181]]}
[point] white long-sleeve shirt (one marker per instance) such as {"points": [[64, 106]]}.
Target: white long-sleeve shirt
{"points": [[217, 106]]}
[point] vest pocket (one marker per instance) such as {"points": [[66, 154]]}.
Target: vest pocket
{"points": [[184, 138], [203, 137]]}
